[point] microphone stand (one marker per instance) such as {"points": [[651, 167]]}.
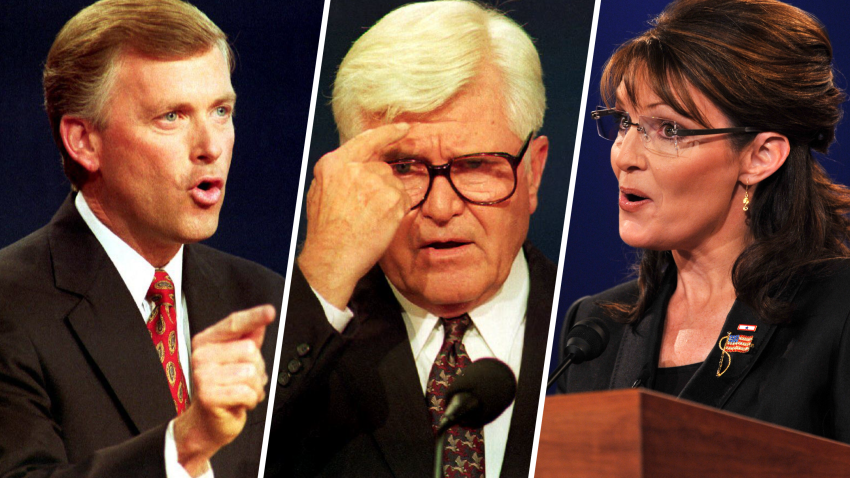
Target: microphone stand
{"points": [[438, 454], [566, 363]]}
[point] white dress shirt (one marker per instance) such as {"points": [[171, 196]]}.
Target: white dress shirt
{"points": [[497, 330], [138, 274]]}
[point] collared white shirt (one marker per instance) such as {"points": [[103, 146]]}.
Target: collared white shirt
{"points": [[497, 330], [137, 275]]}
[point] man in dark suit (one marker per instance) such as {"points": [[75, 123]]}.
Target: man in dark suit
{"points": [[98, 375], [414, 261]]}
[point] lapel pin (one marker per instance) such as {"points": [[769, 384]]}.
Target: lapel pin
{"points": [[748, 328], [729, 344]]}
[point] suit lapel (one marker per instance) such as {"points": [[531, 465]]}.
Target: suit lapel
{"points": [[107, 322], [384, 380], [538, 315], [203, 290], [637, 357], [706, 386]]}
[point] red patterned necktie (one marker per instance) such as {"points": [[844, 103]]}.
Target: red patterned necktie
{"points": [[464, 452], [162, 325]]}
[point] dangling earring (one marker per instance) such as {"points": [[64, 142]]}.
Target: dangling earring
{"points": [[747, 197]]}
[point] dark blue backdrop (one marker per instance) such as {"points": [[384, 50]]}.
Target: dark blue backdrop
{"points": [[561, 30], [275, 44], [596, 259]]}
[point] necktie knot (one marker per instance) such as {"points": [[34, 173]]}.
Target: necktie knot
{"points": [[455, 327], [161, 290]]}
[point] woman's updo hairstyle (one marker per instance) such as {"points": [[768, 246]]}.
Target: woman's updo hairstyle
{"points": [[768, 65]]}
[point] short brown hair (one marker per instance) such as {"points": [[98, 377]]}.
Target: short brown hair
{"points": [[80, 65]]}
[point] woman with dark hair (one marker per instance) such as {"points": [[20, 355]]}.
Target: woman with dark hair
{"points": [[743, 291]]}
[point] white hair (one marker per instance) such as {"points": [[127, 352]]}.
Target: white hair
{"points": [[419, 56]]}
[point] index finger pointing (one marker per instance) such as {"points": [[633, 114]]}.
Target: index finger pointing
{"points": [[371, 143], [248, 323]]}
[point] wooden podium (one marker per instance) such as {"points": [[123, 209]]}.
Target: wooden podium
{"points": [[639, 433]]}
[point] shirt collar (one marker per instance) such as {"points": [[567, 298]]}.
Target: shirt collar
{"points": [[136, 272], [504, 312]]}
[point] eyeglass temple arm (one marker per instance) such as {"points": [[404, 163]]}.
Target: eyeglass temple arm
{"points": [[698, 132], [603, 112]]}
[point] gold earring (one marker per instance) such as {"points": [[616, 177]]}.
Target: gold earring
{"points": [[747, 197]]}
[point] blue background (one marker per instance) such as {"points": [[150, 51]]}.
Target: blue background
{"points": [[596, 259]]}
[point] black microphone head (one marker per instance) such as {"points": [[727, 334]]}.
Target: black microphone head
{"points": [[587, 340], [491, 383]]}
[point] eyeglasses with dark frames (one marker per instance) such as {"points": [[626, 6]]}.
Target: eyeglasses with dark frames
{"points": [[659, 135], [483, 179]]}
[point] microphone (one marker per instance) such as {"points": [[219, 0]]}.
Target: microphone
{"points": [[586, 341], [486, 388]]}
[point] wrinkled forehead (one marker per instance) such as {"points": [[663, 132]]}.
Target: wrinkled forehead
{"points": [[474, 121], [439, 142]]}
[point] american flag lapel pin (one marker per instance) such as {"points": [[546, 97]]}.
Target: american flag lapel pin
{"points": [[729, 344], [739, 343]]}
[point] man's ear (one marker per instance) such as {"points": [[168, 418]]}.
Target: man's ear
{"points": [[538, 151], [763, 157], [82, 142]]}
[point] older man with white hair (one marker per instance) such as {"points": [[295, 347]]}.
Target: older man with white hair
{"points": [[415, 261]]}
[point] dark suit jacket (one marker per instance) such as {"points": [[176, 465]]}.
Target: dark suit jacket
{"points": [[351, 404], [797, 374], [82, 391]]}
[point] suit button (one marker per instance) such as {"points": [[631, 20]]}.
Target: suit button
{"points": [[303, 350], [284, 378], [294, 366]]}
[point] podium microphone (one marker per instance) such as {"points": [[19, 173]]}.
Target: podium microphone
{"points": [[586, 341], [486, 388]]}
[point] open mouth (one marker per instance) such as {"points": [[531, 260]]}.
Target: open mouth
{"points": [[207, 192], [634, 197], [209, 183], [445, 245]]}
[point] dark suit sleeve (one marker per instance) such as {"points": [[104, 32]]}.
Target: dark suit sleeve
{"points": [[310, 344], [841, 388], [309, 352], [31, 440]]}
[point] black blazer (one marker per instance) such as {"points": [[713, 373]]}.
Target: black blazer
{"points": [[351, 404], [82, 391], [797, 374]]}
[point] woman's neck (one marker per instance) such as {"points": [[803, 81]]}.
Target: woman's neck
{"points": [[702, 299]]}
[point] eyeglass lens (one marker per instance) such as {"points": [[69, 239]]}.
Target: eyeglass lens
{"points": [[479, 179], [658, 134]]}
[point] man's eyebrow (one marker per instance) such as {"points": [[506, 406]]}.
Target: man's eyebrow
{"points": [[227, 98], [397, 155], [164, 106]]}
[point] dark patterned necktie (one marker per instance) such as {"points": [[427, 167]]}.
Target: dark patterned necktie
{"points": [[162, 325], [464, 452]]}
